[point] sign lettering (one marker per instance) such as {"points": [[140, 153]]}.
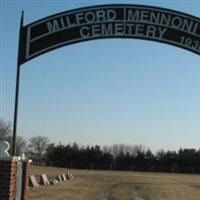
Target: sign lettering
{"points": [[110, 21]]}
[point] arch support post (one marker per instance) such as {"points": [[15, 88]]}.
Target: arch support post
{"points": [[17, 90]]}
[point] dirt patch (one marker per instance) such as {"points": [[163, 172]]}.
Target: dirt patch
{"points": [[107, 196], [137, 196], [139, 193]]}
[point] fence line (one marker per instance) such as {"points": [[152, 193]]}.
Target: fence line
{"points": [[125, 167]]}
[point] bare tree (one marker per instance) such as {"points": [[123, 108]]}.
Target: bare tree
{"points": [[137, 149], [5, 130], [5, 134], [117, 149], [37, 147]]}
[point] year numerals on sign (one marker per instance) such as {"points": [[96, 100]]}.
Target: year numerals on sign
{"points": [[191, 43]]}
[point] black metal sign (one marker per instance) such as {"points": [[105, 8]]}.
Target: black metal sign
{"points": [[110, 21]]}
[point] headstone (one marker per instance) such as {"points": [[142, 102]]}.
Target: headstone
{"points": [[72, 177], [63, 177], [69, 176], [44, 179], [33, 181], [59, 178], [53, 182]]}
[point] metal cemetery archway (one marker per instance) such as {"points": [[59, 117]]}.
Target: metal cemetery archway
{"points": [[105, 21]]}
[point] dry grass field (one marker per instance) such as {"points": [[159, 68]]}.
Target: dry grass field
{"points": [[115, 185]]}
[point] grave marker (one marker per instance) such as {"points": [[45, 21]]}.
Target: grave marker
{"points": [[59, 178], [44, 179], [33, 181], [63, 177]]}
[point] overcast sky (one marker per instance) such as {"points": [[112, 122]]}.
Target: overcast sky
{"points": [[102, 91]]}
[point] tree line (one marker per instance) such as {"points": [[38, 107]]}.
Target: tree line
{"points": [[132, 156], [117, 156]]}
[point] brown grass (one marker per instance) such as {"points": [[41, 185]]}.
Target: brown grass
{"points": [[114, 185]]}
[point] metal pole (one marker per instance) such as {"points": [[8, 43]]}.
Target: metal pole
{"points": [[17, 92]]}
